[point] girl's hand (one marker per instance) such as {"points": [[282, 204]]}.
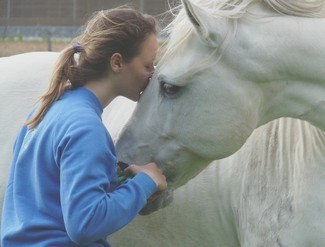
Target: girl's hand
{"points": [[152, 171]]}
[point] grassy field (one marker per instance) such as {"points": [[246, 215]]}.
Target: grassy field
{"points": [[13, 47]]}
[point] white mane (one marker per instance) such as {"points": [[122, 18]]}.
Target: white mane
{"points": [[180, 29], [312, 8]]}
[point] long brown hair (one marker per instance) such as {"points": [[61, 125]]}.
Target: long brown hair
{"points": [[120, 30]]}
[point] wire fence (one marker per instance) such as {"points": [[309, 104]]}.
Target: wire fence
{"points": [[66, 12], [20, 17]]}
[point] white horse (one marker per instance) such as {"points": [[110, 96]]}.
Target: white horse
{"points": [[205, 211]]}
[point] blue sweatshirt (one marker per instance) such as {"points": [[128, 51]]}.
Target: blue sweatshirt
{"points": [[62, 189]]}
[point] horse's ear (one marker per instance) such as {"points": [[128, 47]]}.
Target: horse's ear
{"points": [[205, 24]]}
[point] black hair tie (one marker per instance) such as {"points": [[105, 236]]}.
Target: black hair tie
{"points": [[77, 47]]}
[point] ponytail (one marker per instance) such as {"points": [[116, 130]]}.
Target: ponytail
{"points": [[63, 70]]}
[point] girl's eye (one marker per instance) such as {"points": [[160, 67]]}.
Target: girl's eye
{"points": [[168, 89]]}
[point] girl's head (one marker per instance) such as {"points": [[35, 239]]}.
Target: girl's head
{"points": [[122, 31]]}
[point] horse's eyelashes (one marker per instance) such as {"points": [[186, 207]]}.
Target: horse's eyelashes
{"points": [[168, 89]]}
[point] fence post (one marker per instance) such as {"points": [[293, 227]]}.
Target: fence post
{"points": [[141, 6], [49, 40], [74, 11], [7, 25]]}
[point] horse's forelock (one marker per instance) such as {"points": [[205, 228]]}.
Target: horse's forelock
{"points": [[180, 29]]}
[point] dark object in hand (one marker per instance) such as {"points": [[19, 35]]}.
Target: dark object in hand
{"points": [[122, 176]]}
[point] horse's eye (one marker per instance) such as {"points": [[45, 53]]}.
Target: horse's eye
{"points": [[168, 89]]}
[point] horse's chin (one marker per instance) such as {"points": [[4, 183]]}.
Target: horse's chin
{"points": [[162, 200]]}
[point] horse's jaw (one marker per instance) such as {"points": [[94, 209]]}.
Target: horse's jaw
{"points": [[158, 201], [176, 177], [177, 166]]}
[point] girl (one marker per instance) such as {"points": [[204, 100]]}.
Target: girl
{"points": [[63, 187]]}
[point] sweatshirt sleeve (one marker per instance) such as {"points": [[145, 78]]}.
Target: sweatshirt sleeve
{"points": [[92, 208]]}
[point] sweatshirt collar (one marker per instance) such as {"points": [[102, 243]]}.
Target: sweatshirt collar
{"points": [[93, 100]]}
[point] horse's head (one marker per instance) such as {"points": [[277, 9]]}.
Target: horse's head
{"points": [[195, 109], [219, 79]]}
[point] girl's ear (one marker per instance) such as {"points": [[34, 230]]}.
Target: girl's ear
{"points": [[116, 62]]}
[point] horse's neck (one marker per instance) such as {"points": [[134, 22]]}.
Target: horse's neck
{"points": [[290, 58], [302, 100]]}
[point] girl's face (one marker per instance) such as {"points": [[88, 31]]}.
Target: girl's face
{"points": [[136, 73]]}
